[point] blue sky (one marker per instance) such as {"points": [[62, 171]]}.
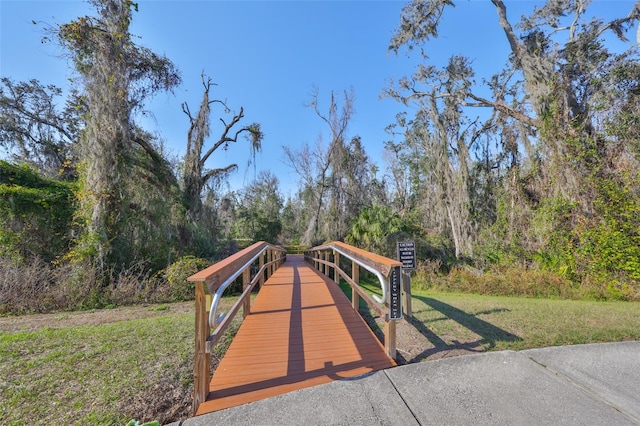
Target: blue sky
{"points": [[267, 56]]}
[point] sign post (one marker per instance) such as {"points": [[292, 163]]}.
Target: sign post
{"points": [[395, 294], [407, 255]]}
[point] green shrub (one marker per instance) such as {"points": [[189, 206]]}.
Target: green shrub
{"points": [[176, 274], [35, 214], [500, 280]]}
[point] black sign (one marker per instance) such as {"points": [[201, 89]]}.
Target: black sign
{"points": [[407, 254], [395, 294]]}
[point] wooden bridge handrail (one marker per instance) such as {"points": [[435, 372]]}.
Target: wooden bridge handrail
{"points": [[208, 282], [381, 266], [380, 263], [219, 272]]}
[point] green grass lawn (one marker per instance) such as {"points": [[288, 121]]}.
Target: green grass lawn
{"points": [[94, 374], [142, 369], [102, 374], [499, 323]]}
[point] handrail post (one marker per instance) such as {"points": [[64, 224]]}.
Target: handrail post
{"points": [[325, 267], [272, 267], [336, 267], [355, 276], [260, 265], [202, 361], [390, 337], [267, 256], [246, 281]]}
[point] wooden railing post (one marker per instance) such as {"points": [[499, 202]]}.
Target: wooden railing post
{"points": [[267, 259], [260, 265], [355, 276], [202, 361], [272, 266], [390, 337], [336, 267], [325, 267], [246, 281], [406, 283]]}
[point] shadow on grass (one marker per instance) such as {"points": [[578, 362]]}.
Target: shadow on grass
{"points": [[489, 333]]}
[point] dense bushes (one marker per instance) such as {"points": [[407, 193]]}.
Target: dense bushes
{"points": [[35, 213], [516, 281], [39, 286]]}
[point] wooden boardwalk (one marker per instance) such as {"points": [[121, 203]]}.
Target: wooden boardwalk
{"points": [[302, 332]]}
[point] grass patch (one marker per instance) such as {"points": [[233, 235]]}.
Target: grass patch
{"points": [[158, 308], [486, 323], [449, 321], [106, 374], [143, 369]]}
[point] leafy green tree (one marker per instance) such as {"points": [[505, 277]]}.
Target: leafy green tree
{"points": [[564, 110], [260, 209], [292, 221], [442, 137], [374, 228]]}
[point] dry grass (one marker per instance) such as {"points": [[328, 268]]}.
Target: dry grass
{"points": [[41, 287], [517, 281]]}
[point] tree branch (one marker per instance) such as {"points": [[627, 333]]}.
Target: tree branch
{"points": [[223, 138], [500, 106], [217, 172]]}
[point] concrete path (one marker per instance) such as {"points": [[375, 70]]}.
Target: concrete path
{"points": [[597, 384]]}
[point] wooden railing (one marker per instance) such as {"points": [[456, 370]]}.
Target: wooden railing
{"points": [[210, 283], [327, 257]]}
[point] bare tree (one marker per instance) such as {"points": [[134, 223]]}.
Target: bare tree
{"points": [[336, 180], [34, 129], [318, 167], [195, 175]]}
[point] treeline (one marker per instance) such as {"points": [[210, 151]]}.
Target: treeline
{"points": [[532, 169], [525, 182]]}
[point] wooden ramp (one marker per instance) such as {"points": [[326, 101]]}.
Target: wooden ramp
{"points": [[302, 332]]}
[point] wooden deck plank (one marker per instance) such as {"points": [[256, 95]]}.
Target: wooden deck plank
{"points": [[302, 332]]}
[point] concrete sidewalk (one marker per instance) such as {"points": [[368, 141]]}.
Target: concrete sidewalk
{"points": [[597, 384]]}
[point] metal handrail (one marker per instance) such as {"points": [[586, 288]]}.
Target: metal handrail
{"points": [[213, 321], [378, 274], [351, 253]]}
